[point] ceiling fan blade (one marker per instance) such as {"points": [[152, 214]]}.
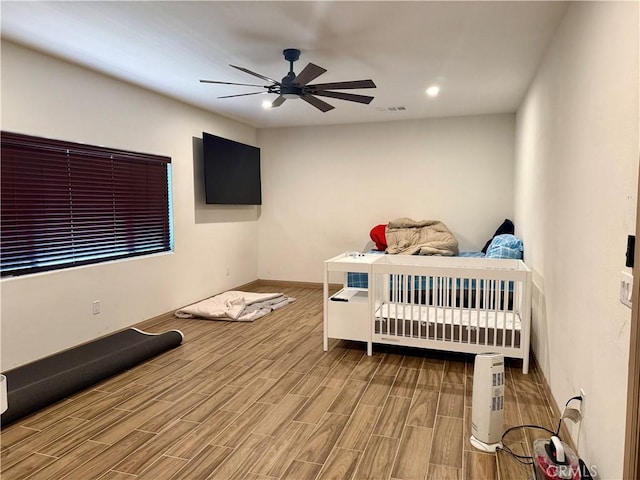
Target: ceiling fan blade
{"points": [[316, 102], [343, 85], [278, 101], [243, 94], [231, 83], [345, 96], [308, 73], [256, 74]]}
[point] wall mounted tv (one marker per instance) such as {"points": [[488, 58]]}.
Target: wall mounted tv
{"points": [[231, 172]]}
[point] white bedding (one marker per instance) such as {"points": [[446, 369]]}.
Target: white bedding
{"points": [[449, 316], [235, 306]]}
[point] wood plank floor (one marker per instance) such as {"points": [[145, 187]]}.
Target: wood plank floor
{"points": [[263, 401]]}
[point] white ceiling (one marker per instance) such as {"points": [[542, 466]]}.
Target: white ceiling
{"points": [[482, 54]]}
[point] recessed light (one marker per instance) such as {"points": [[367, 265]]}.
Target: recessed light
{"points": [[266, 104], [433, 90]]}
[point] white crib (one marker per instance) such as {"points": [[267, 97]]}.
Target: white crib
{"points": [[458, 304], [472, 305]]}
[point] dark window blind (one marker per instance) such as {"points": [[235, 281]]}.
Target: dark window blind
{"points": [[66, 204]]}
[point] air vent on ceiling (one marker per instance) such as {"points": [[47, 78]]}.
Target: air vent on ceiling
{"points": [[391, 109]]}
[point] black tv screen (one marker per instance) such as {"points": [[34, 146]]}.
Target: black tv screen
{"points": [[231, 172]]}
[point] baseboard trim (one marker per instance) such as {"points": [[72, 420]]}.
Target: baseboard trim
{"points": [[254, 283], [294, 284]]}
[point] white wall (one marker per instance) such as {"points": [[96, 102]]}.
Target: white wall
{"points": [[324, 188], [44, 313], [576, 176]]}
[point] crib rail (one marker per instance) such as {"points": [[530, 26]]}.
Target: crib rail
{"points": [[448, 306]]}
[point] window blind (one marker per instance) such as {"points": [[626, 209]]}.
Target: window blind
{"points": [[65, 204]]}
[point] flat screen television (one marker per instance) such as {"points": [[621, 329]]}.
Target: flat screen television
{"points": [[231, 172]]}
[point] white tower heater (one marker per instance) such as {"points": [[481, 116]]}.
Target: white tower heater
{"points": [[487, 404]]}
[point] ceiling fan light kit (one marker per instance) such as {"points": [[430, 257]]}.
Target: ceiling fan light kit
{"points": [[297, 86]]}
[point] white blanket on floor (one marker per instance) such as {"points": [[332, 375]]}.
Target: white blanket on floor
{"points": [[235, 306]]}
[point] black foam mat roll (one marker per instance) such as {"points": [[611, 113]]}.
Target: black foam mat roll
{"points": [[48, 380]]}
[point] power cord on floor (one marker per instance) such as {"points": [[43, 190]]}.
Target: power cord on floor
{"points": [[523, 459], [528, 459]]}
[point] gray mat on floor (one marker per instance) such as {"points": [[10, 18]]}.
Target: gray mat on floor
{"points": [[40, 383]]}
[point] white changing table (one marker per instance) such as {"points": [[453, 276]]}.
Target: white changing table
{"points": [[348, 313]]}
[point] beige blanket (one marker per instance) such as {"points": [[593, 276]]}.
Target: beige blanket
{"points": [[235, 306], [425, 237]]}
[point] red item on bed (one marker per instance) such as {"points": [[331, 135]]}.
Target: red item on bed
{"points": [[378, 237]]}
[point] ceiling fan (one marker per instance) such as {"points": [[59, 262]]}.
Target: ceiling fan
{"points": [[297, 86]]}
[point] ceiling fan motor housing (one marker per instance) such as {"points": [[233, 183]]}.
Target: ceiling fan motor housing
{"points": [[288, 89]]}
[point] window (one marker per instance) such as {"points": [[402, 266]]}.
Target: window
{"points": [[68, 204]]}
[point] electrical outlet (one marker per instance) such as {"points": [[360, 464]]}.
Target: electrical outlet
{"points": [[626, 288], [96, 307]]}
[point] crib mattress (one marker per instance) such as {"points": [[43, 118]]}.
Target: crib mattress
{"points": [[449, 324]]}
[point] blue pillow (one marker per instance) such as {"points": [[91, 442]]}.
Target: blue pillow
{"points": [[505, 246]]}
